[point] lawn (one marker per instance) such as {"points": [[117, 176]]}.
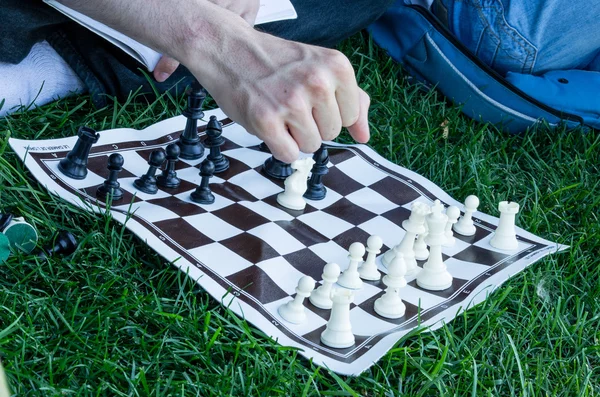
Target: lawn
{"points": [[115, 319]]}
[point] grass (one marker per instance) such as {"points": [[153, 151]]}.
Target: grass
{"points": [[115, 319]]}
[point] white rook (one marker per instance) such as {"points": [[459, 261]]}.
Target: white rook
{"points": [[505, 236], [338, 333]]}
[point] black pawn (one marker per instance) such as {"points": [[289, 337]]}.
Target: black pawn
{"points": [[214, 140], [63, 243], [277, 169], [316, 190], [202, 194], [111, 187], [189, 142], [147, 182], [75, 164], [168, 179]]}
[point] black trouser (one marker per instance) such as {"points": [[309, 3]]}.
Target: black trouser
{"points": [[104, 69]]}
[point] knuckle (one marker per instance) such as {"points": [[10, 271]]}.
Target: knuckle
{"points": [[319, 83], [339, 64], [267, 121], [286, 154], [294, 101], [309, 145]]}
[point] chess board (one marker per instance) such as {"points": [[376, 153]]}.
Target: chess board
{"points": [[249, 252]]}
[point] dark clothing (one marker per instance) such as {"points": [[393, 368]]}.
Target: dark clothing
{"points": [[106, 70]]}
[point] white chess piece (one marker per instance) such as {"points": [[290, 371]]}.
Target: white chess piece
{"points": [[505, 236], [435, 275], [420, 247], [296, 185], [293, 311], [465, 225], [368, 270], [338, 333], [452, 213], [390, 305], [413, 225], [350, 278], [321, 297]]}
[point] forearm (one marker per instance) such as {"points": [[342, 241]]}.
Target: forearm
{"points": [[183, 29]]}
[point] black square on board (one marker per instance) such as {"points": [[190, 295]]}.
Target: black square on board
{"points": [[250, 247], [256, 282]]}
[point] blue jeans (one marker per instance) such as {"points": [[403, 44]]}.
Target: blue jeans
{"points": [[527, 36]]}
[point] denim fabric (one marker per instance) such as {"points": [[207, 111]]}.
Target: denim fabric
{"points": [[106, 70], [528, 36]]}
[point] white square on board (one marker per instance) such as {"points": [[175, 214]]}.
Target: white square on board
{"points": [[390, 233], [271, 213], [369, 199], [150, 212], [330, 198], [252, 158], [361, 170], [255, 184], [212, 226], [331, 252], [464, 270], [366, 324], [220, 201], [281, 241], [326, 224], [220, 259]]}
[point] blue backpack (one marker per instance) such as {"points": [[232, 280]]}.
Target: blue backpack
{"points": [[429, 52]]}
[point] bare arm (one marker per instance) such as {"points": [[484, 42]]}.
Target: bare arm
{"points": [[291, 95]]}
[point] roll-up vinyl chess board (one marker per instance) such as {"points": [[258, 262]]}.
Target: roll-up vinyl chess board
{"points": [[249, 252]]}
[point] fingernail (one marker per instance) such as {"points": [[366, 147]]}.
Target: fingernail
{"points": [[162, 76]]}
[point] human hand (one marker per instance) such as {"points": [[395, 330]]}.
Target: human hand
{"points": [[247, 9], [291, 95]]}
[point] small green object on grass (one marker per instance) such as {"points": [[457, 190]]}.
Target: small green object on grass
{"points": [[4, 248], [21, 235]]}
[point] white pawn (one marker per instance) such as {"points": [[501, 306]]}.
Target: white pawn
{"points": [[465, 225], [350, 278], [293, 311], [452, 213], [338, 333], [390, 305], [420, 247], [505, 236], [321, 297], [296, 185], [368, 270], [413, 225], [435, 276]]}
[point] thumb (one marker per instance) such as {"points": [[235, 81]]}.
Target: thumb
{"points": [[165, 68]]}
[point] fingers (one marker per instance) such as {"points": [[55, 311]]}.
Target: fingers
{"points": [[360, 129], [327, 117], [165, 68], [282, 145]]}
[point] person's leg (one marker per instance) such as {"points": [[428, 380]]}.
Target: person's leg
{"points": [[327, 23], [41, 77], [526, 36]]}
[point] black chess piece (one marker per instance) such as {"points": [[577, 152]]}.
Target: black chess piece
{"points": [[316, 190], [147, 182], [277, 169], [214, 140], [111, 187], [168, 179], [264, 148], [63, 243], [4, 221], [202, 194], [75, 164], [189, 142]]}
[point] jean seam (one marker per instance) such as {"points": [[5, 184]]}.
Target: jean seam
{"points": [[525, 45]]}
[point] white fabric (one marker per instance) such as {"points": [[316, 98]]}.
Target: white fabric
{"points": [[42, 77]]}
